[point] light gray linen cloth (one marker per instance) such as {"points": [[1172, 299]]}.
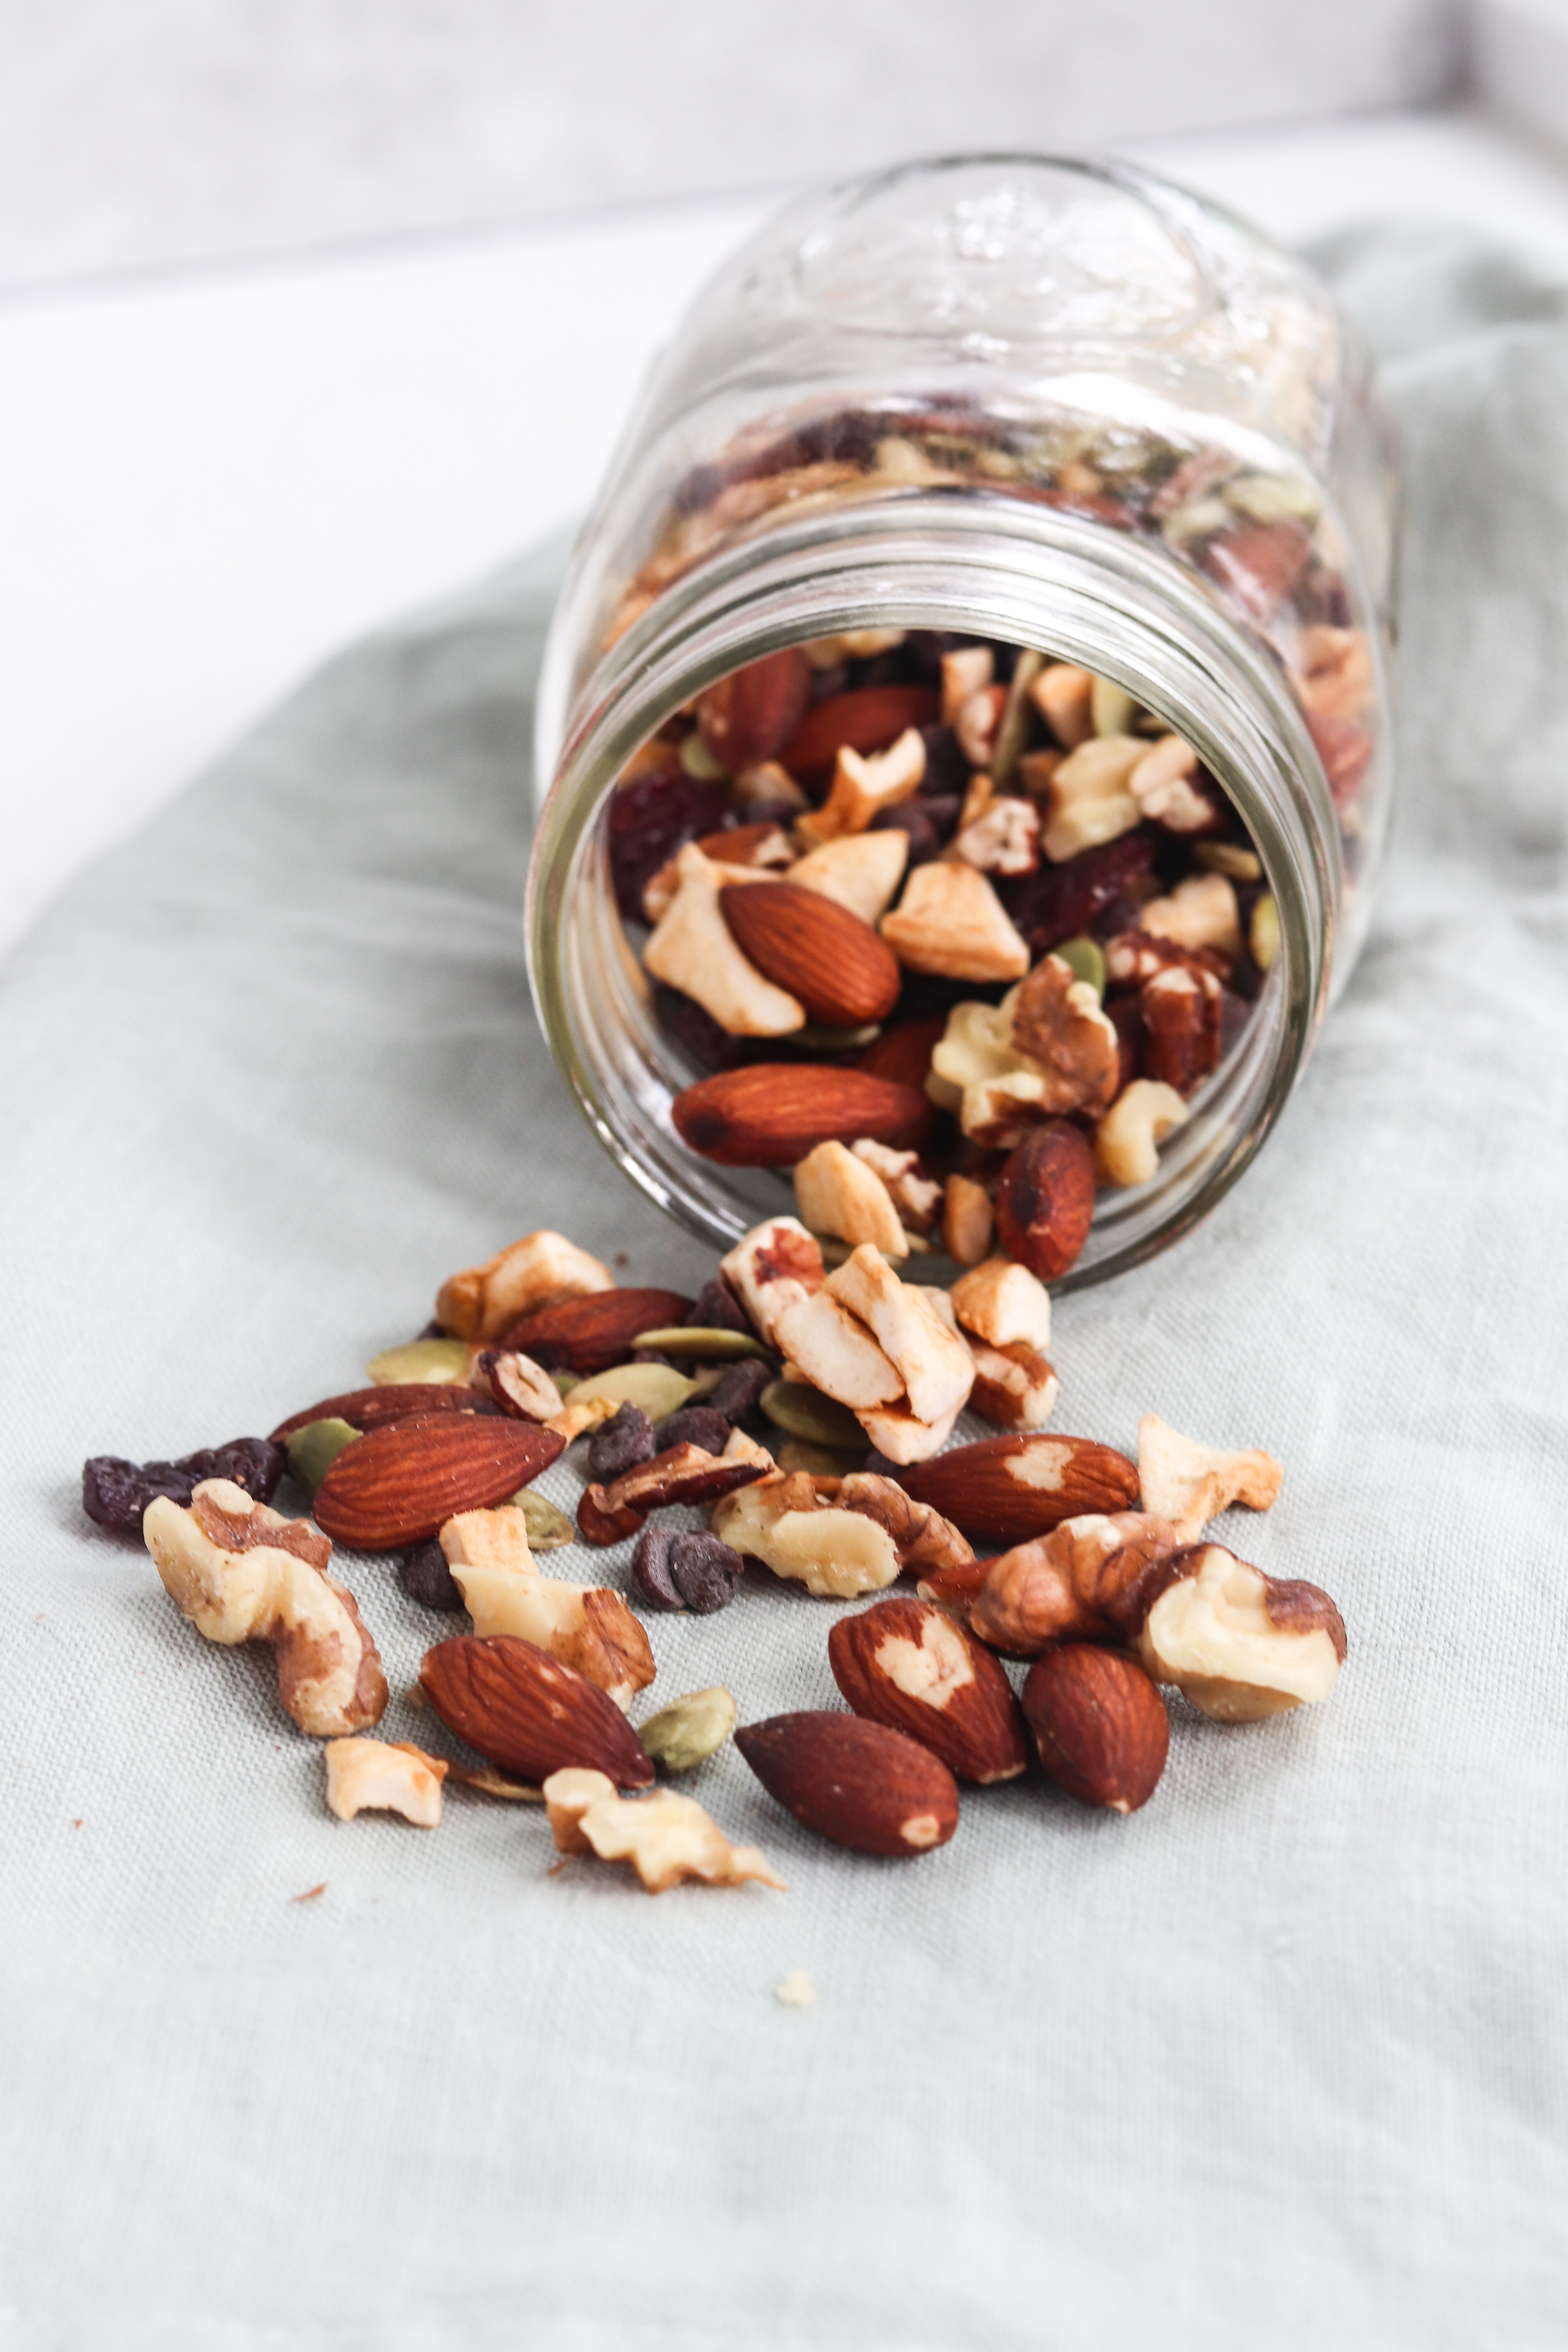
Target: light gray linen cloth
{"points": [[1281, 2060]]}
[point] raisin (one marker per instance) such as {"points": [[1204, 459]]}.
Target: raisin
{"points": [[620, 1443], [712, 1048], [928, 822], [428, 1578], [649, 821], [947, 769], [115, 1492]]}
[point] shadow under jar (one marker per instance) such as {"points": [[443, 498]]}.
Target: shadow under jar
{"points": [[1047, 515]]}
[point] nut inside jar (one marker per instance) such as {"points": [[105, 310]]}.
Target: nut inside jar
{"points": [[950, 931]]}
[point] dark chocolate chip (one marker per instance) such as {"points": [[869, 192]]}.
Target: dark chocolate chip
{"points": [[739, 1389], [651, 1566], [620, 1443], [428, 1578], [694, 1424], [704, 1570]]}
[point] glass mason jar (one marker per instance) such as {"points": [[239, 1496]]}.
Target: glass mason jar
{"points": [[1040, 401]]}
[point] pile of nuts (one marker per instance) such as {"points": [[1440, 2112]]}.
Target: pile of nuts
{"points": [[806, 1411], [958, 932]]}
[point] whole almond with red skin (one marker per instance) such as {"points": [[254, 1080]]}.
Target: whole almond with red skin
{"points": [[771, 1114], [746, 717], [837, 966], [861, 1784], [525, 1711], [908, 1664], [1045, 1202], [1099, 1724], [399, 1484], [1007, 1490], [399, 1401], [904, 1052], [868, 719], [589, 1335]]}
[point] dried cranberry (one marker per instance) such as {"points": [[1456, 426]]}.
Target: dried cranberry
{"points": [[1060, 901], [620, 1443], [649, 821], [428, 1578], [115, 1492]]}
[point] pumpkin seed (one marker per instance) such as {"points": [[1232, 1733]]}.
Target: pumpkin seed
{"points": [[689, 1729], [801, 1411], [1014, 724], [422, 1359], [1085, 958], [655, 1387], [1111, 707], [821, 1461], [1230, 857], [702, 1340], [312, 1451], [700, 763], [1263, 932], [547, 1529]]}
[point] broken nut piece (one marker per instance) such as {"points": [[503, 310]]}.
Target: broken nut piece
{"points": [[588, 1628], [666, 1837], [838, 1194], [694, 950], [1238, 1643], [1089, 798], [384, 1776], [487, 1300], [1002, 1303], [241, 1572], [1190, 1485], [774, 1266], [950, 922], [801, 1533], [1127, 1141], [866, 783]]}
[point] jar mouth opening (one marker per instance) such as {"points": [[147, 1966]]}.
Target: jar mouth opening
{"points": [[974, 562]]}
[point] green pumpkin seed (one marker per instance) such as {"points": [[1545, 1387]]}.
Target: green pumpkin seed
{"points": [[1014, 724], [547, 1529], [702, 1340], [801, 1411], [1230, 857], [1085, 958], [312, 1451], [1263, 932], [421, 1360], [820, 1461], [691, 1730], [700, 763], [655, 1387], [1111, 707]]}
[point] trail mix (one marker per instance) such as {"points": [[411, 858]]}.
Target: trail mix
{"points": [[803, 1409], [958, 932]]}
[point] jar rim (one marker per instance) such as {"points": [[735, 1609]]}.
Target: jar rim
{"points": [[981, 562]]}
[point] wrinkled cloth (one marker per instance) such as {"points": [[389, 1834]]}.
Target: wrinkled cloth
{"points": [[1281, 2060]]}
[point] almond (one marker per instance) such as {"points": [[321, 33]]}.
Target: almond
{"points": [[397, 1485], [526, 1711], [745, 718], [1010, 1489], [1100, 1726], [818, 950], [589, 1335], [861, 1784], [908, 1664], [771, 1114], [372, 1408], [1045, 1202], [867, 720]]}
